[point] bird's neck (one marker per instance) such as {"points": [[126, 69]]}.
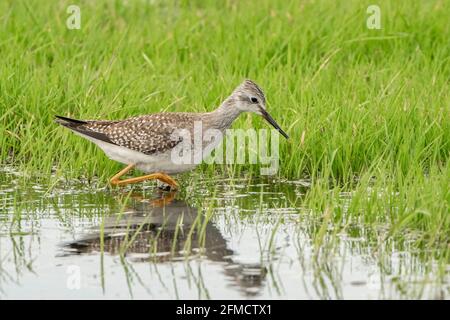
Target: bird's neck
{"points": [[224, 115]]}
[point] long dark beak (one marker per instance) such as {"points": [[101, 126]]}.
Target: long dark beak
{"points": [[270, 120]]}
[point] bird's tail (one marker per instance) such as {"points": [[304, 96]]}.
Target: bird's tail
{"points": [[82, 127], [68, 122]]}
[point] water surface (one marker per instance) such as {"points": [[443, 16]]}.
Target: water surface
{"points": [[222, 238]]}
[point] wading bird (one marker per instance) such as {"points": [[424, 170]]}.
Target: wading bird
{"points": [[146, 142]]}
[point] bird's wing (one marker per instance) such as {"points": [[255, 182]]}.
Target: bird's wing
{"points": [[147, 134]]}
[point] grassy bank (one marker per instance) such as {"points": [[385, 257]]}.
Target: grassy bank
{"points": [[357, 103]]}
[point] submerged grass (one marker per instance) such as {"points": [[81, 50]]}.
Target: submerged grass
{"points": [[367, 110]]}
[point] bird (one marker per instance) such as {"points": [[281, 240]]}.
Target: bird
{"points": [[146, 142]]}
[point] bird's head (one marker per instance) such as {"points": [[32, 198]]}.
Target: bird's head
{"points": [[248, 97]]}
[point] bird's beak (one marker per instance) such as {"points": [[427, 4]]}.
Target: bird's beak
{"points": [[270, 120]]}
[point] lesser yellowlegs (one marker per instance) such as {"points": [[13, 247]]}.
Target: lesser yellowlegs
{"points": [[145, 142]]}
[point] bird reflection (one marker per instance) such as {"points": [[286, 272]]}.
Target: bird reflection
{"points": [[167, 229]]}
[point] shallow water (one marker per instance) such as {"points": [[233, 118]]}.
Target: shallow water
{"points": [[227, 238]]}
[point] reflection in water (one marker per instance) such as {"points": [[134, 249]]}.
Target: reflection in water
{"points": [[165, 229]]}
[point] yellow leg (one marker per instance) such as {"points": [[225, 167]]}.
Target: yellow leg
{"points": [[160, 176], [115, 180]]}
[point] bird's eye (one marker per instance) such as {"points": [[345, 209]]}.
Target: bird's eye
{"points": [[253, 100]]}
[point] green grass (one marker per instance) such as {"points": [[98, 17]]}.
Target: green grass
{"points": [[372, 106]]}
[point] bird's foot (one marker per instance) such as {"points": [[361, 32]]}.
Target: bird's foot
{"points": [[163, 186]]}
